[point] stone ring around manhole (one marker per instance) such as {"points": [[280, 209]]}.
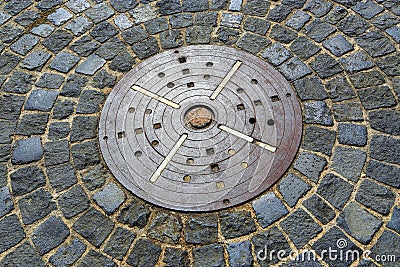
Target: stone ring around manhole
{"points": [[200, 128]]}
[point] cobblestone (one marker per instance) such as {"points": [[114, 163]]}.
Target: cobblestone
{"points": [[269, 208], [11, 232], [32, 124], [367, 9], [50, 81], [6, 204], [73, 87], [326, 66], [385, 20], [23, 255], [377, 97], [348, 162], [79, 25], [89, 101], [62, 176], [352, 134], [35, 60], [57, 40], [235, 224], [279, 13], [338, 45], [353, 25], [294, 69], [202, 229], [165, 228], [385, 121], [49, 234], [36, 206], [339, 89], [77, 6], [318, 30], [375, 44], [357, 62], [19, 83], [99, 12], [394, 222], [64, 62], [310, 88], [181, 20], [27, 179], [123, 22], [210, 255], [319, 140], [95, 177], [310, 165], [27, 151], [144, 253], [134, 214], [298, 20], [8, 62], [85, 154], [68, 254], [109, 198], [390, 65], [73, 202], [282, 34], [318, 8], [240, 254], [292, 189], [118, 244], [148, 47], [43, 30], [318, 112], [383, 173], [335, 190], [176, 257], [94, 258], [156, 25], [319, 208], [384, 246], [60, 16], [351, 111], [24, 44]]}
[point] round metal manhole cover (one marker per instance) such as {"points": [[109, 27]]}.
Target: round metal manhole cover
{"points": [[200, 128]]}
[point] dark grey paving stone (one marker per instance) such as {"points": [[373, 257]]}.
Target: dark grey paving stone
{"points": [[135, 214], [390, 65], [166, 228], [385, 173], [367, 9], [387, 121], [56, 152], [23, 255], [109, 198], [357, 61], [94, 226], [319, 208], [3, 174], [318, 112], [367, 79], [99, 12], [64, 62], [202, 229], [227, 20], [330, 240], [11, 232], [63, 109], [210, 19], [48, 4], [235, 5], [143, 13], [68, 254], [7, 129], [325, 66], [8, 33], [348, 162], [256, 25], [239, 254], [294, 69], [263, 242], [256, 8], [90, 101], [387, 244], [292, 189], [198, 35], [14, 7], [58, 130], [358, 222], [122, 5], [146, 48], [209, 255], [59, 16], [95, 177], [73, 202], [318, 30], [351, 111], [394, 222], [62, 176], [49, 234], [218, 4], [375, 44], [79, 26], [182, 20], [84, 46], [385, 148], [118, 244], [6, 203], [310, 165], [144, 253], [279, 13], [393, 6], [385, 20], [171, 39], [304, 48], [5, 151], [353, 25], [19, 83], [104, 79], [377, 97], [276, 54], [194, 6], [85, 154], [294, 3], [134, 35], [319, 139], [50, 81], [27, 179], [282, 34], [103, 31], [74, 86], [366, 263], [253, 43], [94, 258], [27, 151], [32, 123], [111, 48], [8, 62], [235, 224], [269, 208], [92, 64], [41, 100], [35, 60], [27, 18], [176, 257], [352, 134], [156, 25], [57, 40], [318, 8], [83, 127], [335, 190], [310, 88], [298, 20], [338, 45], [43, 30], [123, 62], [300, 227], [36, 206]]}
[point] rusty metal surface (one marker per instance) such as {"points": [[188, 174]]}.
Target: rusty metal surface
{"points": [[213, 168]]}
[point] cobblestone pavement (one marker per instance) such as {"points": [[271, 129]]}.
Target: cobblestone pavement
{"points": [[60, 206]]}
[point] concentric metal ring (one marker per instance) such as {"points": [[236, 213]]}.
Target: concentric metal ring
{"points": [[254, 136]]}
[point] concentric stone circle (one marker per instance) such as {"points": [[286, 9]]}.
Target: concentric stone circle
{"points": [[137, 131]]}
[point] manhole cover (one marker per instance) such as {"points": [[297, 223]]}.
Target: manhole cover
{"points": [[200, 128]]}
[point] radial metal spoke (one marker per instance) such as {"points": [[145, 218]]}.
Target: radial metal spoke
{"points": [[155, 96], [222, 85]]}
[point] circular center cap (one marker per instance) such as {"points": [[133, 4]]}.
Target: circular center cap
{"points": [[199, 117]]}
